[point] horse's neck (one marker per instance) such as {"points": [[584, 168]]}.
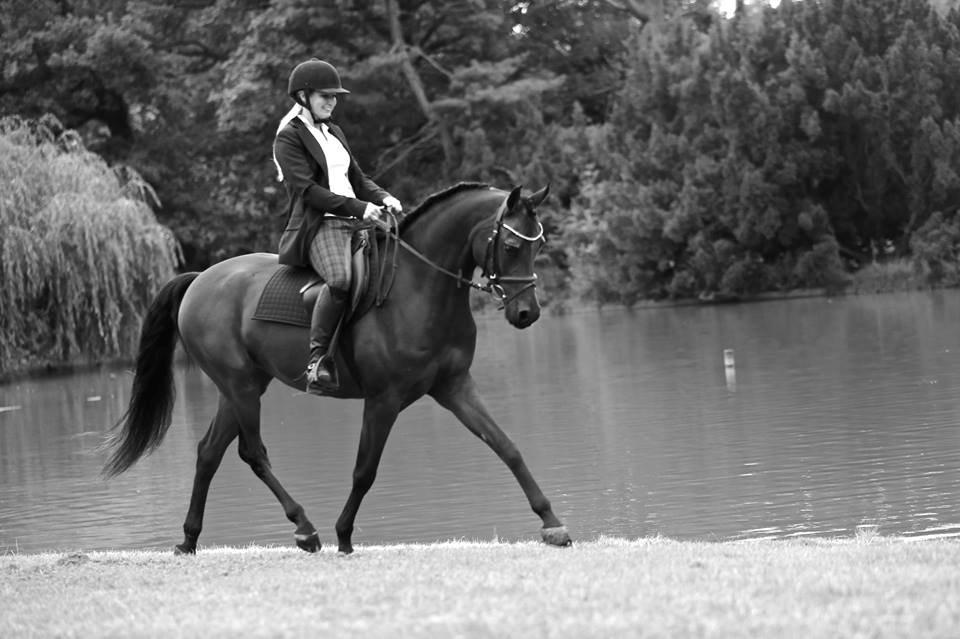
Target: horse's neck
{"points": [[445, 237]]}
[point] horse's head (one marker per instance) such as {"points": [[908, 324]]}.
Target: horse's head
{"points": [[514, 243]]}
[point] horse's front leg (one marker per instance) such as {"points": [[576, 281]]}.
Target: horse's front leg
{"points": [[379, 415], [461, 397]]}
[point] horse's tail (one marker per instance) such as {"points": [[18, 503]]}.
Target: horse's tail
{"points": [[143, 426]]}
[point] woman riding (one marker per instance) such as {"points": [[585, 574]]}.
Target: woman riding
{"points": [[327, 193]]}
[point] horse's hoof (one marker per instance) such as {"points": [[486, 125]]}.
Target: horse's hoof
{"points": [[556, 536], [345, 549], [309, 543], [184, 549]]}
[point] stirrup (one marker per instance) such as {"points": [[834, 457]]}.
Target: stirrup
{"points": [[319, 376]]}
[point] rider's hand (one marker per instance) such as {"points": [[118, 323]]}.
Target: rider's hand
{"points": [[372, 212], [392, 205]]}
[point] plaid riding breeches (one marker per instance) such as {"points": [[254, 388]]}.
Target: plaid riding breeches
{"points": [[330, 252]]}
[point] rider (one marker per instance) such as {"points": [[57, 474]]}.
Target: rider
{"points": [[327, 193]]}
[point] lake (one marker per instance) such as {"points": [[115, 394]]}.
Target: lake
{"points": [[836, 413]]}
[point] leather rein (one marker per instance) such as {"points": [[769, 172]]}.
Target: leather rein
{"points": [[491, 266]]}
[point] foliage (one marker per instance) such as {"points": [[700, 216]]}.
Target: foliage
{"points": [[689, 154], [81, 254], [891, 276], [936, 250], [753, 155]]}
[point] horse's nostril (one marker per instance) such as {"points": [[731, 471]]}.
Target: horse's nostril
{"points": [[523, 316]]}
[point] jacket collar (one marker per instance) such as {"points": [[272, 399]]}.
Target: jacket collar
{"points": [[311, 143]]}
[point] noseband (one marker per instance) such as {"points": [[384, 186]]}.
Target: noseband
{"points": [[491, 262]]}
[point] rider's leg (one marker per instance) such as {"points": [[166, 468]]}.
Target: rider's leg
{"points": [[330, 257], [327, 312]]}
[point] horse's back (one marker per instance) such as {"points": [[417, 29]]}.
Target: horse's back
{"points": [[244, 265], [230, 282]]}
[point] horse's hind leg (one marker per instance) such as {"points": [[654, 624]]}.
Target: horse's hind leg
{"points": [[243, 419], [462, 399], [254, 453], [223, 430]]}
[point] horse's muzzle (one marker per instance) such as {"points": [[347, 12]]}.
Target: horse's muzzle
{"points": [[523, 311]]}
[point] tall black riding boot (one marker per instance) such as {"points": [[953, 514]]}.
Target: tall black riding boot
{"points": [[327, 311]]}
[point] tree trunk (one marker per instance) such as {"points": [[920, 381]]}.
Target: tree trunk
{"points": [[643, 10], [416, 86]]}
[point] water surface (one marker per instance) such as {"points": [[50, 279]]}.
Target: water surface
{"points": [[837, 413]]}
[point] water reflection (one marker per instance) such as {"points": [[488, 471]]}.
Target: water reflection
{"points": [[841, 413]]}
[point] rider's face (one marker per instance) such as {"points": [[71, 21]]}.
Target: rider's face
{"points": [[322, 105]]}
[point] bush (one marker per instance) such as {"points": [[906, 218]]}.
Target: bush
{"points": [[936, 247], [891, 276]]}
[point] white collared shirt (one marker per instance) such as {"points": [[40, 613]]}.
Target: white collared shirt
{"points": [[338, 160]]}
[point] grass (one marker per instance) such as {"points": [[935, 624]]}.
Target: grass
{"points": [[868, 586]]}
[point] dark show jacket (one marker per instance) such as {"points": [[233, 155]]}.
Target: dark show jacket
{"points": [[305, 176]]}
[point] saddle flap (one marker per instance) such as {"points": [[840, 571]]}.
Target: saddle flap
{"points": [[290, 293]]}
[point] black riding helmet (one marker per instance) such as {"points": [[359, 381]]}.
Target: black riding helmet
{"points": [[314, 75]]}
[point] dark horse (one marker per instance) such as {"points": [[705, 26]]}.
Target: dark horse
{"points": [[419, 341]]}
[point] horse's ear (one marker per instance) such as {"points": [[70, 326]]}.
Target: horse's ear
{"points": [[539, 196], [514, 197]]}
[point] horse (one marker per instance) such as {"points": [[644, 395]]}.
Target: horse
{"points": [[419, 340]]}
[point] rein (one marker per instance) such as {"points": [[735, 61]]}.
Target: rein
{"points": [[494, 279]]}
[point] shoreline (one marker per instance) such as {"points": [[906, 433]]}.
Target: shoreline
{"points": [[868, 585]]}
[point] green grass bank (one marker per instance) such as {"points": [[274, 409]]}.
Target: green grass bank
{"points": [[860, 587]]}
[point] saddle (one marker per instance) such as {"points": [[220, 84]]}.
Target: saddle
{"points": [[289, 295]]}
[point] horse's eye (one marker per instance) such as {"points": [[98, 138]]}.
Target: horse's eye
{"points": [[511, 245]]}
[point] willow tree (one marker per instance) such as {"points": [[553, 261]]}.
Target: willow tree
{"points": [[81, 254]]}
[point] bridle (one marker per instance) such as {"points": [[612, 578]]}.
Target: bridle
{"points": [[491, 262]]}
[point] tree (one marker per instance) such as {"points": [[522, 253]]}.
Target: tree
{"points": [[134, 79], [690, 153], [702, 182], [81, 254]]}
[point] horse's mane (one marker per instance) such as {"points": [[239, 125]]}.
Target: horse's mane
{"points": [[439, 197]]}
